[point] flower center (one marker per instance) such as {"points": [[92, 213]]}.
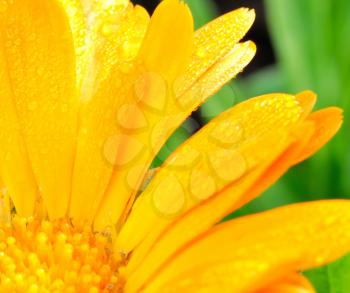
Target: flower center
{"points": [[43, 256]]}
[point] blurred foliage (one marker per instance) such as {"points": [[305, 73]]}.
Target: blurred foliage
{"points": [[312, 44], [203, 11]]}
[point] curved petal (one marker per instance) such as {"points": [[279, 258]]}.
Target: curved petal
{"points": [[177, 234], [307, 100], [328, 122], [227, 148], [251, 252], [166, 240], [158, 247], [107, 87], [38, 69], [214, 41]]}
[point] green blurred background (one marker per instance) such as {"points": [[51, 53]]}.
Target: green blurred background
{"points": [[302, 44]]}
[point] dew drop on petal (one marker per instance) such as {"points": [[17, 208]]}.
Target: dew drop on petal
{"points": [[227, 133], [108, 29], [188, 158], [202, 184], [111, 149], [169, 196], [134, 175], [227, 164], [131, 116], [150, 89], [201, 52]]}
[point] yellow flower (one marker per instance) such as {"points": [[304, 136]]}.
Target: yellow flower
{"points": [[89, 92]]}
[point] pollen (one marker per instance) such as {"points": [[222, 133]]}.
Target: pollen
{"points": [[43, 256]]}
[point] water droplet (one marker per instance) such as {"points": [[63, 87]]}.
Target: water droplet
{"points": [[133, 147], [150, 89], [202, 184], [185, 97], [185, 159], [201, 52], [229, 165], [134, 175], [290, 103], [109, 28], [169, 196], [227, 133], [131, 117], [129, 50]]}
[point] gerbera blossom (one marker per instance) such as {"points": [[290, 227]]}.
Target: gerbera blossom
{"points": [[89, 92]]}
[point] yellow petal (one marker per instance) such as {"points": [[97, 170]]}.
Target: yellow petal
{"points": [[307, 100], [154, 251], [161, 125], [102, 109], [75, 12], [215, 40], [168, 43], [328, 122], [115, 39], [292, 283], [39, 58], [190, 98], [236, 142], [300, 136], [251, 252], [15, 167], [103, 31]]}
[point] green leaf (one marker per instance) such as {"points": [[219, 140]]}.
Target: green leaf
{"points": [[264, 81], [334, 278], [312, 45], [177, 138], [225, 98], [203, 11]]}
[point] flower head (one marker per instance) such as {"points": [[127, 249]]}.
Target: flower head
{"points": [[90, 91]]}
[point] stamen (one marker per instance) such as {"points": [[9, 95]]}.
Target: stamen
{"points": [[43, 256]]}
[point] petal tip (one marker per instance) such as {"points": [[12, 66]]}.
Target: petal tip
{"points": [[248, 12], [252, 46]]}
